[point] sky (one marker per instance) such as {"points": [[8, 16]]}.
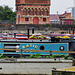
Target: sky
{"points": [[56, 5]]}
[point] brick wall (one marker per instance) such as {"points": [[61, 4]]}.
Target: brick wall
{"points": [[37, 27], [32, 9]]}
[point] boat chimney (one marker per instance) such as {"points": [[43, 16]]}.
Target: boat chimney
{"points": [[73, 32], [28, 32], [14, 35], [32, 30]]}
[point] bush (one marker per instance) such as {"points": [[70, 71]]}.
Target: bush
{"points": [[68, 58], [37, 54], [51, 56], [32, 56], [45, 56], [12, 57], [6, 57], [1, 56], [26, 57]]}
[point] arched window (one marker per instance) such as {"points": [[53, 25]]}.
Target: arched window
{"points": [[42, 11], [35, 11], [22, 12], [46, 12], [17, 1], [29, 11], [39, 11], [32, 11], [25, 11]]}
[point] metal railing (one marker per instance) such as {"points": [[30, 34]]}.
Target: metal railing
{"points": [[7, 22]]}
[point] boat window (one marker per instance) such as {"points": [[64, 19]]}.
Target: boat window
{"points": [[12, 46], [42, 48], [61, 48]]}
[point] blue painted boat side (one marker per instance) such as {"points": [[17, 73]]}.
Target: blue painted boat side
{"points": [[38, 46], [47, 46], [1, 46]]}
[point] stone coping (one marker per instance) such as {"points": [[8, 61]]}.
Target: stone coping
{"points": [[35, 60]]}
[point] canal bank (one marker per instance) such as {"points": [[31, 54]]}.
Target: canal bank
{"points": [[32, 66]]}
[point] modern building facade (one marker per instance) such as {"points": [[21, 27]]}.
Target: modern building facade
{"points": [[33, 11], [73, 13]]}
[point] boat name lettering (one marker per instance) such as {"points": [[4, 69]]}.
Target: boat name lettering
{"points": [[32, 46]]}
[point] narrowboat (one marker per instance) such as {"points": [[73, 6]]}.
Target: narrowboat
{"points": [[53, 44], [32, 45]]}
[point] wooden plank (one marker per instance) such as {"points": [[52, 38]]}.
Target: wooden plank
{"points": [[21, 53], [49, 51], [40, 51], [11, 49]]}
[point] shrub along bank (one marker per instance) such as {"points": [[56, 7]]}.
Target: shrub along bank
{"points": [[39, 56]]}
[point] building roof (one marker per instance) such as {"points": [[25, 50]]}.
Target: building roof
{"points": [[53, 17], [68, 18], [63, 15]]}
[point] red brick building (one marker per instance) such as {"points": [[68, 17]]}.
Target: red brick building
{"points": [[65, 19], [33, 11]]}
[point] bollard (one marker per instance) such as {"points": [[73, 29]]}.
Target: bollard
{"points": [[28, 32], [14, 35], [33, 30]]}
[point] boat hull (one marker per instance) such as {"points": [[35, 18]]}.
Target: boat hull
{"points": [[44, 46]]}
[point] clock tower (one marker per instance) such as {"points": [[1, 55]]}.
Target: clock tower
{"points": [[33, 11]]}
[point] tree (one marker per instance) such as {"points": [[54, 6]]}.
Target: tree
{"points": [[1, 13], [6, 13]]}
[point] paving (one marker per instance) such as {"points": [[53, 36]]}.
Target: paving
{"points": [[24, 67]]}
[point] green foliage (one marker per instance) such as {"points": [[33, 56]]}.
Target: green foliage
{"points": [[6, 57], [68, 58], [45, 56], [38, 54], [6, 13], [58, 56], [74, 21], [44, 24], [1, 56], [50, 26], [12, 57], [32, 56], [35, 56], [26, 57]]}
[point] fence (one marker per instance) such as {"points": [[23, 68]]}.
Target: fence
{"points": [[73, 52], [8, 22], [37, 27]]}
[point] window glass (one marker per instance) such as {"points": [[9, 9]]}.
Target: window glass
{"points": [[26, 19], [44, 19]]}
